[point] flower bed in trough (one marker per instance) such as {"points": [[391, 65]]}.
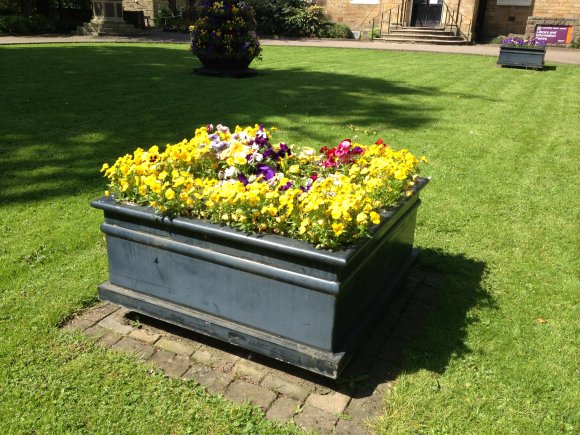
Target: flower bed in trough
{"points": [[288, 253]]}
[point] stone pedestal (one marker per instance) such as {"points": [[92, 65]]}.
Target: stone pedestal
{"points": [[107, 20]]}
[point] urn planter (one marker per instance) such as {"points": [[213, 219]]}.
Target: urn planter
{"points": [[224, 63], [522, 57], [268, 294], [225, 67]]}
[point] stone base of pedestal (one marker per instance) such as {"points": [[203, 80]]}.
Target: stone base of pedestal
{"points": [[108, 28]]}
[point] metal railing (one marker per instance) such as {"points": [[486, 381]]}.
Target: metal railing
{"points": [[454, 21], [362, 24], [394, 17], [398, 16]]}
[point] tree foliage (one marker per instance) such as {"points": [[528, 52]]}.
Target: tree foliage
{"points": [[289, 17]]}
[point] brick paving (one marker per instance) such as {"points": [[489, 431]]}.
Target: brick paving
{"points": [[285, 393]]}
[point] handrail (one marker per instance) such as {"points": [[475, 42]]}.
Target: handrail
{"points": [[453, 19], [361, 25], [382, 15], [457, 21]]}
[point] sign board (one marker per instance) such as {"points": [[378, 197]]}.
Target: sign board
{"points": [[554, 34], [514, 2]]}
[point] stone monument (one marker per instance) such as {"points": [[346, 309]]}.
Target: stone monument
{"points": [[107, 20]]}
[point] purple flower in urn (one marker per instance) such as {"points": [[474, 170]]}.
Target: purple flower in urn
{"points": [[284, 150], [266, 171], [287, 186], [268, 153], [243, 179]]}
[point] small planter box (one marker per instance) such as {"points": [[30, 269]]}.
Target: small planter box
{"points": [[522, 57], [273, 295]]}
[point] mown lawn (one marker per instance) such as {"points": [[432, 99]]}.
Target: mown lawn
{"points": [[499, 221]]}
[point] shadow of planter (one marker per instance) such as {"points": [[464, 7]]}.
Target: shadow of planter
{"points": [[422, 327]]}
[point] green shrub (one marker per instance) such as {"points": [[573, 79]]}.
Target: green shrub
{"points": [[307, 21], [289, 17], [575, 43], [272, 15], [336, 30], [20, 24], [498, 39]]}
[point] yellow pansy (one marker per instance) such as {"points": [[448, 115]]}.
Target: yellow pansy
{"points": [[169, 194]]}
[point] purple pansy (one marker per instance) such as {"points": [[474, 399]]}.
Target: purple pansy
{"points": [[243, 179], [266, 171]]}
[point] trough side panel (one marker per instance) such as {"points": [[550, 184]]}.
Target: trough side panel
{"points": [[276, 307], [364, 293], [283, 260]]}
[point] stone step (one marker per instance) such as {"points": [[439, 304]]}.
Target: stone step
{"points": [[442, 36], [457, 41], [108, 29], [419, 29], [422, 35]]}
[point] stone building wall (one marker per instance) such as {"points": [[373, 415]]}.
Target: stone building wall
{"points": [[150, 8], [503, 20], [354, 15], [498, 19], [467, 14], [358, 14], [557, 8], [147, 6]]}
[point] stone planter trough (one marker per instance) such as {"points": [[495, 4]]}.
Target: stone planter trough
{"points": [[268, 294]]}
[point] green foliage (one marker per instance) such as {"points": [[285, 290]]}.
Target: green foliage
{"points": [[272, 15], [498, 39], [9, 7], [575, 43], [295, 18], [18, 24], [375, 33], [225, 30], [308, 21], [336, 30], [177, 22]]}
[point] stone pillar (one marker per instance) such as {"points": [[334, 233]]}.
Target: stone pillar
{"points": [[107, 20]]}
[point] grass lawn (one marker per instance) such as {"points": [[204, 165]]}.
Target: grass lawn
{"points": [[499, 220]]}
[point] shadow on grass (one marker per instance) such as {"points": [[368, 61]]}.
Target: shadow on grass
{"points": [[68, 109], [423, 327]]}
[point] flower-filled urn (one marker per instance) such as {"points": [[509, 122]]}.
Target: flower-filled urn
{"points": [[224, 37]]}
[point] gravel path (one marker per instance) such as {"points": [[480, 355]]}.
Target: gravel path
{"points": [[553, 54]]}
